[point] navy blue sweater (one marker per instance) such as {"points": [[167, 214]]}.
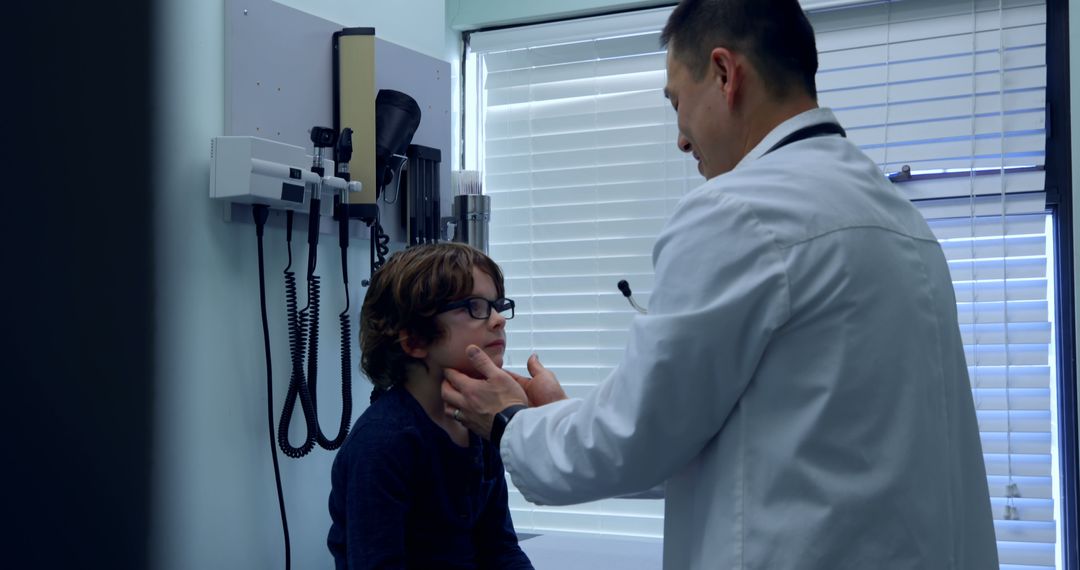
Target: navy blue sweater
{"points": [[404, 495]]}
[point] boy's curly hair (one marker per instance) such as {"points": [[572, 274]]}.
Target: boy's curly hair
{"points": [[404, 296]]}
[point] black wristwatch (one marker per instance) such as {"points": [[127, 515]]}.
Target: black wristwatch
{"points": [[498, 426]]}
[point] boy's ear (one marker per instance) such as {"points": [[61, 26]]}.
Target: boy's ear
{"points": [[411, 346]]}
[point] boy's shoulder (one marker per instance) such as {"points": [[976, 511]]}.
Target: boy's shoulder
{"points": [[380, 441], [389, 422]]}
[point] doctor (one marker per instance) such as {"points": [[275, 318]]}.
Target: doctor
{"points": [[799, 382]]}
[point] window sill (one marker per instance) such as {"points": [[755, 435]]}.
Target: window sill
{"points": [[582, 551]]}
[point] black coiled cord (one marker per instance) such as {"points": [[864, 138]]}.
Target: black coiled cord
{"points": [[297, 383], [346, 371], [310, 315], [304, 343], [346, 364], [382, 245], [261, 213]]}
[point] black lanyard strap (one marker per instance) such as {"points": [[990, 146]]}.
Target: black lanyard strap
{"points": [[818, 130]]}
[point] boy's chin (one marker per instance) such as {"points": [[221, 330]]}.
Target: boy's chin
{"points": [[497, 358], [469, 370]]}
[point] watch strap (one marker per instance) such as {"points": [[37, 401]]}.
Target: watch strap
{"points": [[501, 419]]}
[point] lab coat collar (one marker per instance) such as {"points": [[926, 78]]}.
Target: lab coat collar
{"points": [[804, 119]]}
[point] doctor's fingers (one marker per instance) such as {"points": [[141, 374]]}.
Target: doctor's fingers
{"points": [[455, 406], [536, 370], [537, 389], [452, 398], [457, 381], [483, 364], [521, 380], [486, 396], [544, 388], [475, 395]]}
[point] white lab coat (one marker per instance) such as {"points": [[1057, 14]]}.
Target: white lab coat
{"points": [[799, 381]]}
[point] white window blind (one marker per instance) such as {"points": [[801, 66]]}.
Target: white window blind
{"points": [[949, 86], [957, 90], [577, 148], [579, 159]]}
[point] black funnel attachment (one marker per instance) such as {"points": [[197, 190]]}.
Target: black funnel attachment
{"points": [[396, 118]]}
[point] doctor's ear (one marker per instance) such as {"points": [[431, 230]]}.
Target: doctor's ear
{"points": [[727, 71], [412, 346]]}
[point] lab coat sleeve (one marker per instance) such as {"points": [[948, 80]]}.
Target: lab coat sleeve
{"points": [[720, 292]]}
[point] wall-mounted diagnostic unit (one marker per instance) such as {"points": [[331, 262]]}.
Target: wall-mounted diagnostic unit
{"points": [[331, 128], [252, 170]]}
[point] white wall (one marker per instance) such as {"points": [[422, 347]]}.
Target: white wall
{"points": [[474, 14], [215, 503], [419, 25]]}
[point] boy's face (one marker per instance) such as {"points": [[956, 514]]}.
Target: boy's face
{"points": [[461, 330]]}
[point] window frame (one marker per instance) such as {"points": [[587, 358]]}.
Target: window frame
{"points": [[1059, 198]]}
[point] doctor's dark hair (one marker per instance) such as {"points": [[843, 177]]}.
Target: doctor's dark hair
{"points": [[405, 295], [774, 34]]}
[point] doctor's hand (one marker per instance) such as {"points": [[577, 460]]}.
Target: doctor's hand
{"points": [[475, 402], [543, 388]]}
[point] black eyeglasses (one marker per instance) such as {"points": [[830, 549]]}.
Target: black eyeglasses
{"points": [[480, 308]]}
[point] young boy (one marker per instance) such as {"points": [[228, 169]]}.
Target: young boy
{"points": [[411, 487]]}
